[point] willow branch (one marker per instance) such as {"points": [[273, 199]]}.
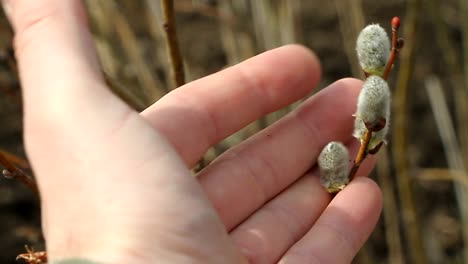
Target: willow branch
{"points": [[362, 153], [397, 44], [395, 48], [175, 56], [12, 172]]}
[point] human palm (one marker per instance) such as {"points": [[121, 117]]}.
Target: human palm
{"points": [[115, 184]]}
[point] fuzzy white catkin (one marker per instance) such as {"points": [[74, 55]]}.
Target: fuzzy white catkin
{"points": [[333, 163], [373, 105], [373, 49]]}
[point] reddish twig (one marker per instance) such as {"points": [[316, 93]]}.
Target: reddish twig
{"points": [[13, 172], [395, 48], [18, 161], [362, 153]]}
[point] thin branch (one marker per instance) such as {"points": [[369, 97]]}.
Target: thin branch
{"points": [[12, 172], [362, 153], [395, 48], [175, 56], [18, 161]]}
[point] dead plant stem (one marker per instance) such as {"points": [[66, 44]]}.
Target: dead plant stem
{"points": [[175, 56]]}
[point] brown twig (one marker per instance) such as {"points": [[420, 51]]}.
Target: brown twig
{"points": [[12, 172], [397, 44], [18, 161], [175, 56], [362, 153]]}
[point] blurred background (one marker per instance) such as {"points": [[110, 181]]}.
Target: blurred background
{"points": [[422, 171]]}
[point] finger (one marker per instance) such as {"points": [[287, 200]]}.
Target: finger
{"points": [[266, 235], [200, 114], [343, 228], [245, 177], [55, 53]]}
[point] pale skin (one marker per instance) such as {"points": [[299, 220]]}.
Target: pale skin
{"points": [[116, 186]]}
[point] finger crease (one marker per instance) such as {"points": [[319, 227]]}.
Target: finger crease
{"points": [[287, 218], [256, 184], [311, 130], [254, 84], [205, 117]]}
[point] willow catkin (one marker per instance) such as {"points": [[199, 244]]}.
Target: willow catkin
{"points": [[373, 49], [333, 163], [373, 106]]}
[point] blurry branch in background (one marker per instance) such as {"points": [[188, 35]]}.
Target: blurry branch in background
{"points": [[275, 24], [175, 57], [412, 225], [289, 21], [455, 69], [455, 72], [443, 174], [238, 45], [271, 16], [190, 6], [125, 94], [155, 19], [390, 211], [264, 20], [451, 147], [351, 18], [150, 85], [463, 113], [12, 172], [110, 61]]}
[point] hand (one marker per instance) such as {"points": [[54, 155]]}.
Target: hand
{"points": [[115, 185]]}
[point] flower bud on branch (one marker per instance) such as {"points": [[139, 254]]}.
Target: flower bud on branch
{"points": [[373, 109], [373, 49], [333, 163]]}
